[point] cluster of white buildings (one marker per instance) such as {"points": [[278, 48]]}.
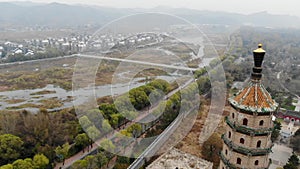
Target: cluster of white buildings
{"points": [[9, 48], [77, 44], [107, 42]]}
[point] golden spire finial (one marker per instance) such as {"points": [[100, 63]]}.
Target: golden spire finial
{"points": [[259, 49]]}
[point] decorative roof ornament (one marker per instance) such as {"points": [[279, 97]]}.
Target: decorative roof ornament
{"points": [[259, 49], [258, 56]]}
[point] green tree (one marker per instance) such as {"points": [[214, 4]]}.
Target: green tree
{"points": [[130, 115], [160, 84], [8, 166], [124, 102], [108, 110], [124, 160], [124, 133], [48, 151], [211, 148], [91, 161], [116, 120], [80, 164], [147, 89], [175, 98], [203, 84], [276, 130], [93, 133], [294, 160], [295, 143], [10, 148], [292, 163], [101, 159], [200, 72], [107, 145], [40, 161], [63, 151], [23, 164], [135, 129], [81, 141], [85, 122], [138, 98], [95, 117], [289, 166], [106, 126]]}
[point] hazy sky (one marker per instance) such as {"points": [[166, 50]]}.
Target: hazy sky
{"points": [[291, 7]]}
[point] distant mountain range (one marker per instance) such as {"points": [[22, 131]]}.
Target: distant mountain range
{"points": [[62, 15]]}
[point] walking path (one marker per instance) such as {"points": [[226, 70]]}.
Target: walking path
{"points": [[89, 149]]}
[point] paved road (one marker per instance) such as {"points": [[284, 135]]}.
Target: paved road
{"points": [[278, 77], [104, 58], [138, 62], [38, 60]]}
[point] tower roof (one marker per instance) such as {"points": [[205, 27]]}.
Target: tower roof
{"points": [[255, 97]]}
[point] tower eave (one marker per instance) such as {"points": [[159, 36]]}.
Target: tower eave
{"points": [[272, 108]]}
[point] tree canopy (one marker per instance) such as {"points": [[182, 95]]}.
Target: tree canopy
{"points": [[10, 148], [295, 141], [211, 148], [292, 163]]}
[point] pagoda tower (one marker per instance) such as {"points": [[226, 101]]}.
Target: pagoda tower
{"points": [[247, 141]]}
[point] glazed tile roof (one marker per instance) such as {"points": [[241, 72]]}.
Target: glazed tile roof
{"points": [[254, 98]]}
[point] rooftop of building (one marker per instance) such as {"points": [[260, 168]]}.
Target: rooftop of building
{"points": [[178, 159], [254, 98], [289, 113]]}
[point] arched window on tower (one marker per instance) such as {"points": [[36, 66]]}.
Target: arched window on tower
{"points": [[242, 140], [258, 144], [232, 115], [245, 122], [229, 134], [226, 152], [261, 123], [256, 162], [239, 161]]}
